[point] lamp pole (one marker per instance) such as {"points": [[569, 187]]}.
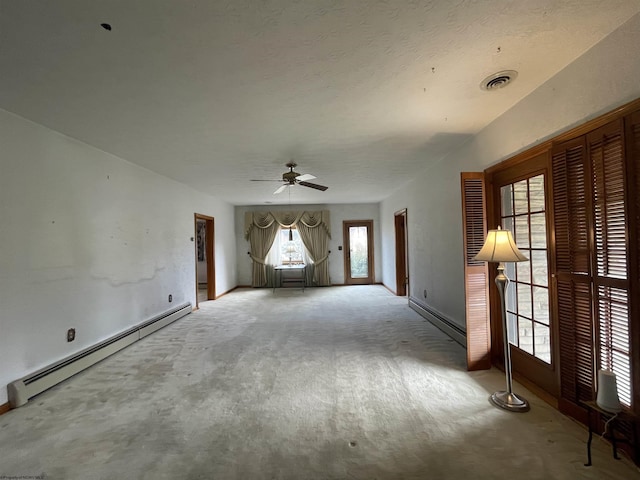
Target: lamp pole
{"points": [[506, 399], [499, 247]]}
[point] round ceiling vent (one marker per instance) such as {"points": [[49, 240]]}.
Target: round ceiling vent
{"points": [[498, 80]]}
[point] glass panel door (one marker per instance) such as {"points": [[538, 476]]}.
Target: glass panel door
{"points": [[358, 255], [523, 212], [359, 251], [521, 204]]}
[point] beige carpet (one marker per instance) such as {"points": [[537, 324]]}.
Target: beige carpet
{"points": [[332, 383]]}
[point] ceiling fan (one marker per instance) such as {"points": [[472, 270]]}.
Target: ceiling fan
{"points": [[292, 178]]}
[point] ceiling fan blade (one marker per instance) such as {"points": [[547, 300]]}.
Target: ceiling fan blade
{"points": [[306, 176], [263, 180], [280, 189], [313, 185]]}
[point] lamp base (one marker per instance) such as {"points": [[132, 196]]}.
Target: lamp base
{"points": [[509, 401]]}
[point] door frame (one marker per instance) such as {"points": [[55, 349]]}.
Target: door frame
{"points": [[402, 253], [209, 254], [524, 365], [346, 224]]}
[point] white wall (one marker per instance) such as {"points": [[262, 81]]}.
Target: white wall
{"points": [[339, 213], [603, 78], [92, 242]]}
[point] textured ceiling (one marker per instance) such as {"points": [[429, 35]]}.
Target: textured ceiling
{"points": [[360, 93]]}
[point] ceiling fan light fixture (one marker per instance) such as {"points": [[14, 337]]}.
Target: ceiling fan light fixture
{"points": [[292, 178], [498, 80]]}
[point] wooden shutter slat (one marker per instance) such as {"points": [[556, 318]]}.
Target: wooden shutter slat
{"points": [[573, 291], [569, 183], [590, 216], [611, 309], [476, 286], [632, 162], [606, 153]]}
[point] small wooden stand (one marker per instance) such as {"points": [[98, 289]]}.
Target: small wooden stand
{"points": [[613, 419]]}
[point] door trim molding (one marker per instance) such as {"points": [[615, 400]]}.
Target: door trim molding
{"points": [[545, 375], [402, 253], [209, 253], [370, 256]]}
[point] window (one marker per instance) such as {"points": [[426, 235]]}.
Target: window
{"points": [[291, 252], [590, 289], [592, 261], [611, 288]]}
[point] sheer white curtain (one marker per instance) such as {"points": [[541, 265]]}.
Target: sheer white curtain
{"points": [[273, 257], [276, 256]]}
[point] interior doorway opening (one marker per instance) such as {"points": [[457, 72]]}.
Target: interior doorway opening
{"points": [[204, 258]]}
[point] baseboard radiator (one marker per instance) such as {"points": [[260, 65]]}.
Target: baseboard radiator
{"points": [[440, 321], [20, 391]]}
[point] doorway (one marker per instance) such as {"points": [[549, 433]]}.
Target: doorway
{"points": [[205, 258], [520, 205], [358, 255], [402, 263]]}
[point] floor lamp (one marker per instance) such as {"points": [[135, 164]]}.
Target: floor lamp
{"points": [[499, 247]]}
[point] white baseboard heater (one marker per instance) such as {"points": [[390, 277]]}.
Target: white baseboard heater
{"points": [[20, 391], [440, 321]]}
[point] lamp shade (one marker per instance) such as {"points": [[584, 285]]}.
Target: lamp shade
{"points": [[499, 246], [291, 248]]}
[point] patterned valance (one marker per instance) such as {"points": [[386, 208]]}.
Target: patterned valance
{"points": [[286, 219]]}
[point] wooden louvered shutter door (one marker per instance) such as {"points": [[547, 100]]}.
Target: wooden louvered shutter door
{"points": [[474, 227], [610, 277], [632, 154], [571, 204]]}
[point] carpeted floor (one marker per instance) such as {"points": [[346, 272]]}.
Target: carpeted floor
{"points": [[332, 383]]}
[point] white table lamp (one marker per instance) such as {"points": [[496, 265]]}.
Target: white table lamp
{"points": [[607, 397]]}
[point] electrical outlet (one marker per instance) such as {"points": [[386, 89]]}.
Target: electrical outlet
{"points": [[71, 335], [170, 298]]}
